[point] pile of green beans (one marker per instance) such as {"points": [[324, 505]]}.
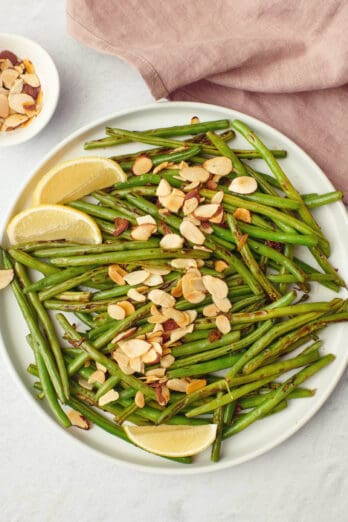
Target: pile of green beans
{"points": [[273, 329]]}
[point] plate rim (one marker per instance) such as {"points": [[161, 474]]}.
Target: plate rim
{"points": [[152, 468]]}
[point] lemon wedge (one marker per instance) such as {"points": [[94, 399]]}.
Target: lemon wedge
{"points": [[74, 179], [50, 222], [172, 440]]}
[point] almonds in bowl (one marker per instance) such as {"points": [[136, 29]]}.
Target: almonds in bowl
{"points": [[20, 91]]}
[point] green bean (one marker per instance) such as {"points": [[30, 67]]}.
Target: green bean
{"points": [[256, 400], [281, 237], [218, 419], [317, 200], [63, 286], [203, 368], [31, 262], [53, 279]]}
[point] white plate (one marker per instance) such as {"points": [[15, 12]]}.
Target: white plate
{"points": [[48, 74], [264, 434]]}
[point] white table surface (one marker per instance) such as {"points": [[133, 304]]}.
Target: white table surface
{"points": [[303, 480]]}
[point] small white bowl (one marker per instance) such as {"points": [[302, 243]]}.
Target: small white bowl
{"points": [[48, 75]]}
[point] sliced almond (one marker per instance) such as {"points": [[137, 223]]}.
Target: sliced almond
{"points": [[199, 174], [8, 77], [144, 220], [191, 186], [242, 214], [97, 376], [243, 185], [151, 357], [191, 232], [183, 263], [31, 79], [205, 212], [177, 334], [220, 265], [174, 201], [137, 277], [124, 334], [157, 346], [127, 307], [158, 270], [210, 310], [171, 242], [160, 167], [195, 384], [136, 296], [176, 291], [6, 276], [134, 347], [224, 305], [154, 280], [178, 385], [101, 367], [84, 384], [143, 232], [139, 399], [78, 420], [110, 396], [163, 394], [5, 64], [161, 298], [167, 361], [218, 197], [223, 324], [20, 102], [116, 312], [15, 120], [114, 272], [142, 165], [215, 286], [123, 362], [121, 224], [219, 216], [156, 372], [180, 318], [219, 165], [189, 206], [137, 364], [163, 189], [211, 184]]}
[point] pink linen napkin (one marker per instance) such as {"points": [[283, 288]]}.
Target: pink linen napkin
{"points": [[285, 62]]}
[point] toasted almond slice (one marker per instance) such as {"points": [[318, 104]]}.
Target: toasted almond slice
{"points": [[134, 347], [123, 361], [167, 361], [14, 120], [174, 201], [124, 334], [115, 274], [8, 77], [84, 384], [139, 399], [201, 247], [205, 212], [156, 372], [136, 296], [154, 280], [158, 270], [137, 277], [157, 346], [224, 305], [4, 106], [156, 318], [183, 263], [195, 384], [180, 318], [137, 364], [189, 206], [242, 214], [17, 86], [220, 265], [178, 385], [31, 79], [191, 186], [97, 376], [6, 276], [177, 334], [116, 312], [142, 165], [171, 242], [243, 185], [151, 357], [19, 102], [192, 220], [163, 189], [110, 396], [127, 307], [219, 165], [223, 324], [199, 174], [101, 367], [78, 420], [144, 220], [176, 291], [5, 63], [215, 286], [160, 167], [192, 314], [143, 232], [191, 232], [161, 298], [194, 296], [219, 217], [218, 197], [210, 310]]}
